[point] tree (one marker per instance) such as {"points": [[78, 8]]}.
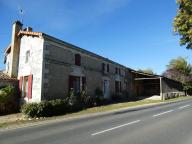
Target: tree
{"points": [[180, 64], [183, 22], [147, 71], [180, 70]]}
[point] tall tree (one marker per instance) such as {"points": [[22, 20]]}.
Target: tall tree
{"points": [[183, 22]]}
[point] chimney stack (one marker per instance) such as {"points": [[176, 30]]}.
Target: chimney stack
{"points": [[15, 49]]}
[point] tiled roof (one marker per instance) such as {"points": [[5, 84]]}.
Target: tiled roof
{"points": [[4, 76], [30, 33]]}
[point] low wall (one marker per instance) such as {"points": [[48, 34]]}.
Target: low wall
{"points": [[170, 95]]}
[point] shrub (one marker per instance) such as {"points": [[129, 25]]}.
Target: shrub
{"points": [[7, 94], [30, 109], [59, 107], [45, 108], [99, 99], [9, 102]]}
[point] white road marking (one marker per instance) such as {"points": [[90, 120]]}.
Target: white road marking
{"points": [[123, 125], [163, 113], [182, 107]]}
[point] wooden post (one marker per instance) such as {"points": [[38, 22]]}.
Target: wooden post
{"points": [[161, 89]]}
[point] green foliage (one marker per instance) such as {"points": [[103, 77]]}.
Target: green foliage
{"points": [[74, 102], [45, 108], [8, 100], [99, 98], [147, 71], [180, 70], [181, 65], [7, 94], [183, 22], [30, 109]]}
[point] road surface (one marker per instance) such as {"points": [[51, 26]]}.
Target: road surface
{"points": [[165, 124]]}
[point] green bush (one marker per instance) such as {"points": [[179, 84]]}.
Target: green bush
{"points": [[99, 98], [9, 101], [7, 94], [45, 108], [72, 103], [30, 109]]}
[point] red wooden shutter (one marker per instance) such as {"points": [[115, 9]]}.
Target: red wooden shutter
{"points": [[70, 82], [77, 59], [20, 85], [30, 83]]}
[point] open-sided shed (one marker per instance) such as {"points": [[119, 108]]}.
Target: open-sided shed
{"points": [[147, 85]]}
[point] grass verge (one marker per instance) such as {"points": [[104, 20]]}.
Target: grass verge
{"points": [[111, 107]]}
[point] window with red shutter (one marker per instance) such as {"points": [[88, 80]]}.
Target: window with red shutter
{"points": [[77, 60]]}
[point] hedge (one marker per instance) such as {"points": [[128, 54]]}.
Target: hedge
{"points": [[73, 103], [45, 108]]}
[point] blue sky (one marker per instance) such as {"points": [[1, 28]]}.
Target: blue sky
{"points": [[135, 33]]}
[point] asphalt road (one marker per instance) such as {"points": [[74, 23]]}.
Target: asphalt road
{"points": [[165, 124]]}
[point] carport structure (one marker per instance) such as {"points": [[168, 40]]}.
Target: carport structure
{"points": [[147, 85]]}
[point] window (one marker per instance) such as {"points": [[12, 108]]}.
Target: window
{"points": [[77, 59], [107, 67], [117, 86], [116, 70], [74, 84], [25, 85], [27, 56], [103, 67], [119, 71]]}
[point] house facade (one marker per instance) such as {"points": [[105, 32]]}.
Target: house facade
{"points": [[48, 68]]}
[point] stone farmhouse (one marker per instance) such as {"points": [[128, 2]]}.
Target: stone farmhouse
{"points": [[48, 68]]}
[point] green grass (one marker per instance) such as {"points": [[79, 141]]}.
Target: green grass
{"points": [[91, 111]]}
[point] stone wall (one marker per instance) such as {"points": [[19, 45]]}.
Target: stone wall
{"points": [[171, 89], [59, 63]]}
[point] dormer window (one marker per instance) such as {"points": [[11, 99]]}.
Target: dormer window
{"points": [[27, 56], [77, 59]]}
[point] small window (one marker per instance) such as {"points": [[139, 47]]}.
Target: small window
{"points": [[116, 70], [119, 71], [77, 59], [107, 67], [103, 67], [27, 56]]}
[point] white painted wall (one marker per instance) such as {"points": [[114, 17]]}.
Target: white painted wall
{"points": [[34, 65], [7, 64]]}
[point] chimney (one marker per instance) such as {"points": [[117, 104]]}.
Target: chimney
{"points": [[15, 49]]}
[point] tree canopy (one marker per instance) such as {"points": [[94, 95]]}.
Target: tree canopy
{"points": [[180, 70], [180, 64], [147, 71], [183, 22]]}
